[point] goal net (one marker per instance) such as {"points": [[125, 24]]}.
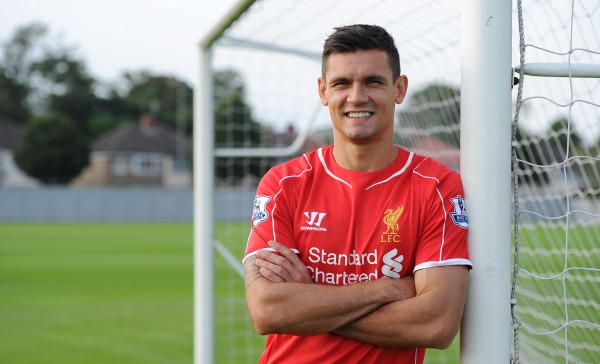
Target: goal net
{"points": [[264, 64], [556, 312]]}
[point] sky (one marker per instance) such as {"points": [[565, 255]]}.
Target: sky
{"points": [[114, 36]]}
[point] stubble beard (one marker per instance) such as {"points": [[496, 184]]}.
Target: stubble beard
{"points": [[360, 133]]}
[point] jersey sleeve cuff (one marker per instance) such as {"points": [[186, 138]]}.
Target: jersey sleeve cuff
{"points": [[444, 263], [267, 249]]}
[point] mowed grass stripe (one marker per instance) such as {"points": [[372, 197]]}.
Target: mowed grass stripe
{"points": [[123, 292], [96, 293]]}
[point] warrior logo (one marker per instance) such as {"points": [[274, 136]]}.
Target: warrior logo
{"points": [[314, 218], [459, 216], [260, 213], [392, 266], [390, 219]]}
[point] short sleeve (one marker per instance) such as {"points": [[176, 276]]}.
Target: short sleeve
{"points": [[271, 216], [443, 240]]}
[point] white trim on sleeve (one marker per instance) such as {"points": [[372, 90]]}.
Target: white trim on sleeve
{"points": [[444, 263]]}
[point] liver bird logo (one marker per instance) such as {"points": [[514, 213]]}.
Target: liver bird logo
{"points": [[391, 219]]}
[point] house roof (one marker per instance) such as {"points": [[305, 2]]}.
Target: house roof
{"points": [[147, 136], [10, 134]]}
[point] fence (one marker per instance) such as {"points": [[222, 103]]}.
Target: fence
{"points": [[98, 204]]}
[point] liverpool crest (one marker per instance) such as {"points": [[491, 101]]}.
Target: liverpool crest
{"points": [[390, 219]]}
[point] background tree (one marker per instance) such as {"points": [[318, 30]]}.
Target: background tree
{"points": [[235, 127], [15, 71], [528, 150], [590, 170], [549, 148], [562, 136], [587, 170], [40, 76], [52, 149], [436, 107], [104, 122], [69, 86], [168, 98], [13, 96]]}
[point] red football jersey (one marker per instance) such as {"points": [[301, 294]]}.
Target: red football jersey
{"points": [[350, 227]]}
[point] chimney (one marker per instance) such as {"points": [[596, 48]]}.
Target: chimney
{"points": [[146, 121]]}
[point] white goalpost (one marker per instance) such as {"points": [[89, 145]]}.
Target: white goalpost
{"points": [[528, 154], [485, 169], [203, 216]]}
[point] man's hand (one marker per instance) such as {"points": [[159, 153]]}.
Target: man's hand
{"points": [[282, 267], [287, 267]]}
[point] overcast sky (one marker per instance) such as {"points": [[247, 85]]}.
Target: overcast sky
{"points": [[118, 35]]}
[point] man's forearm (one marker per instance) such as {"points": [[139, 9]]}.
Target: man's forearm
{"points": [[311, 309], [420, 312], [430, 319], [397, 324]]}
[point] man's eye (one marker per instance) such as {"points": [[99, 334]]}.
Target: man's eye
{"points": [[340, 83]]}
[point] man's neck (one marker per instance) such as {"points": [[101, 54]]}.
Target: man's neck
{"points": [[364, 158]]}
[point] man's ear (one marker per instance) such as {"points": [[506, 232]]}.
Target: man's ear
{"points": [[322, 88], [401, 87]]}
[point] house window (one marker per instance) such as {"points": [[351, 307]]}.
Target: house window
{"points": [[145, 164], [119, 165]]}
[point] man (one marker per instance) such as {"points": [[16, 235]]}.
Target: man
{"points": [[357, 252]]}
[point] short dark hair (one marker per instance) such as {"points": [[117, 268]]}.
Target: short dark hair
{"points": [[362, 37]]}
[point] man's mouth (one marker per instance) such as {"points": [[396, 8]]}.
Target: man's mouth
{"points": [[359, 114]]}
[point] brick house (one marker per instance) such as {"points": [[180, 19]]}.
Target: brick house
{"points": [[143, 154]]}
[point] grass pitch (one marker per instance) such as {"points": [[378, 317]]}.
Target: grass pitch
{"points": [[96, 293], [123, 293], [115, 293], [119, 293]]}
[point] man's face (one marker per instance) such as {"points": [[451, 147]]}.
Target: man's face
{"points": [[361, 94]]}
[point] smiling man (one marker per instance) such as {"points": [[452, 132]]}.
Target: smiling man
{"points": [[358, 251]]}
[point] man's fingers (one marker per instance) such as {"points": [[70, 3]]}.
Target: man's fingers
{"points": [[296, 269], [268, 274], [272, 257], [283, 263], [281, 249], [273, 269], [287, 253]]}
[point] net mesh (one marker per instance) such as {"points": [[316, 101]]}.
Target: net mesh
{"points": [[557, 212], [266, 66]]}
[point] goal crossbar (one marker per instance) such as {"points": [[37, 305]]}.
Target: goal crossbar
{"points": [[577, 70]]}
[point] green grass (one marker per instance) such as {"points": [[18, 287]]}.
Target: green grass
{"points": [[96, 293], [123, 293], [540, 303], [236, 340], [115, 293]]}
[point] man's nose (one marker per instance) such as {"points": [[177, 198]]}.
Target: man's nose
{"points": [[357, 94]]}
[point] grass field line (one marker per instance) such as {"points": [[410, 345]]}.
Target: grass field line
{"points": [[568, 274], [536, 350], [233, 262], [559, 300], [559, 340], [558, 252]]}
